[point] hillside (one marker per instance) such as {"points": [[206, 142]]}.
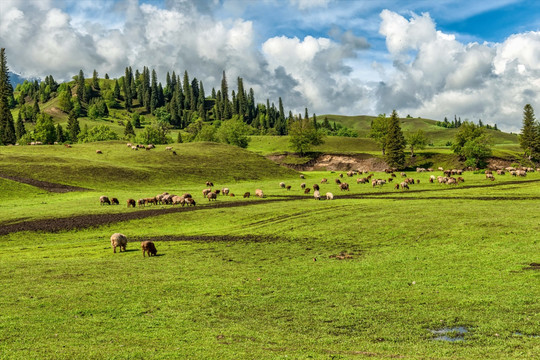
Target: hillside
{"points": [[439, 136], [120, 166]]}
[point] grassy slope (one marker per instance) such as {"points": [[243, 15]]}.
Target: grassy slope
{"points": [[71, 297]]}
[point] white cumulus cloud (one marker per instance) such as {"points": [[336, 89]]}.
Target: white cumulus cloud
{"points": [[436, 76]]}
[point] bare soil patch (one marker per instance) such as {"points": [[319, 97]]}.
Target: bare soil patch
{"points": [[532, 266], [329, 162], [45, 185]]}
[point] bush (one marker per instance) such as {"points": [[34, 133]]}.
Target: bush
{"points": [[154, 134], [98, 133]]}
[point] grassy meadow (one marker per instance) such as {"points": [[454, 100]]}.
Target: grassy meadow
{"points": [[375, 273]]}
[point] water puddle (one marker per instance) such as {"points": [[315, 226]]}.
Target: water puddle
{"points": [[450, 334]]}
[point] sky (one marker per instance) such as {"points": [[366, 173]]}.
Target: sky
{"points": [[433, 59]]}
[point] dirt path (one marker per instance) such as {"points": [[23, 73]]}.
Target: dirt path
{"points": [[48, 186]]}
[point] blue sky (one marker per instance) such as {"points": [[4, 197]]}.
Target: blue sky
{"points": [[475, 59]]}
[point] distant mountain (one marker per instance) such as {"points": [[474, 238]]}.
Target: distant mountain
{"points": [[15, 79]]}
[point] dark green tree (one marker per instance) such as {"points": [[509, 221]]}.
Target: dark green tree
{"points": [[116, 90], [73, 127], [395, 143], [529, 139], [60, 137], [379, 131], [7, 125], [20, 130], [472, 143], [417, 140], [81, 89], [128, 130], [45, 130], [95, 81], [302, 136]]}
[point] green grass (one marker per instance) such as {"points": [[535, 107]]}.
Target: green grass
{"points": [[241, 282]]}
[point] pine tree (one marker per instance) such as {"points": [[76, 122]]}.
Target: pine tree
{"points": [[20, 130], [529, 139], [395, 143], [7, 126], [116, 90], [179, 138], [128, 130], [81, 89], [35, 111], [95, 81], [73, 127], [60, 137], [187, 92]]}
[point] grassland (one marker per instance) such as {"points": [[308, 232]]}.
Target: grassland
{"points": [[370, 274]]}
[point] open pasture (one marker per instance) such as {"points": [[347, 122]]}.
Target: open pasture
{"points": [[376, 272]]}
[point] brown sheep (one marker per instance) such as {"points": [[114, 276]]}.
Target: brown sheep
{"points": [[315, 187], [282, 185], [206, 192], [217, 191], [344, 186], [350, 173], [148, 247], [396, 187], [104, 200], [114, 201], [231, 195], [341, 175], [403, 174], [361, 180], [338, 181], [178, 200], [404, 185], [489, 175], [190, 202], [288, 187], [208, 183], [324, 181], [212, 196], [303, 185], [99, 152], [131, 202], [187, 195], [307, 190], [141, 202], [247, 195], [118, 240], [302, 176], [418, 181], [259, 193]]}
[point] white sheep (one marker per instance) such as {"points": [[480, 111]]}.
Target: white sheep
{"points": [[118, 240]]}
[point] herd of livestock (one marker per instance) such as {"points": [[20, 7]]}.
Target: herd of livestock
{"points": [[209, 193]]}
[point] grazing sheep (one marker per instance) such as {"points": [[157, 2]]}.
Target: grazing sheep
{"points": [[460, 179], [403, 174], [217, 191], [361, 180], [115, 201], [134, 148], [521, 173], [118, 240], [324, 181], [206, 192], [208, 183], [190, 202], [500, 172], [232, 195], [317, 195], [141, 202], [99, 152], [440, 168], [302, 176], [451, 181], [329, 196], [418, 181], [344, 186], [67, 145], [225, 191], [396, 187], [393, 175], [104, 200], [129, 145], [315, 187], [131, 202], [247, 195], [338, 181], [350, 173], [303, 185], [420, 169], [341, 175], [431, 180], [489, 175], [404, 185], [307, 190], [178, 200], [390, 179], [168, 148], [282, 185], [288, 187], [148, 247], [212, 196], [259, 193]]}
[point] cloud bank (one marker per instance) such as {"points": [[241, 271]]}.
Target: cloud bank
{"points": [[422, 72]]}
